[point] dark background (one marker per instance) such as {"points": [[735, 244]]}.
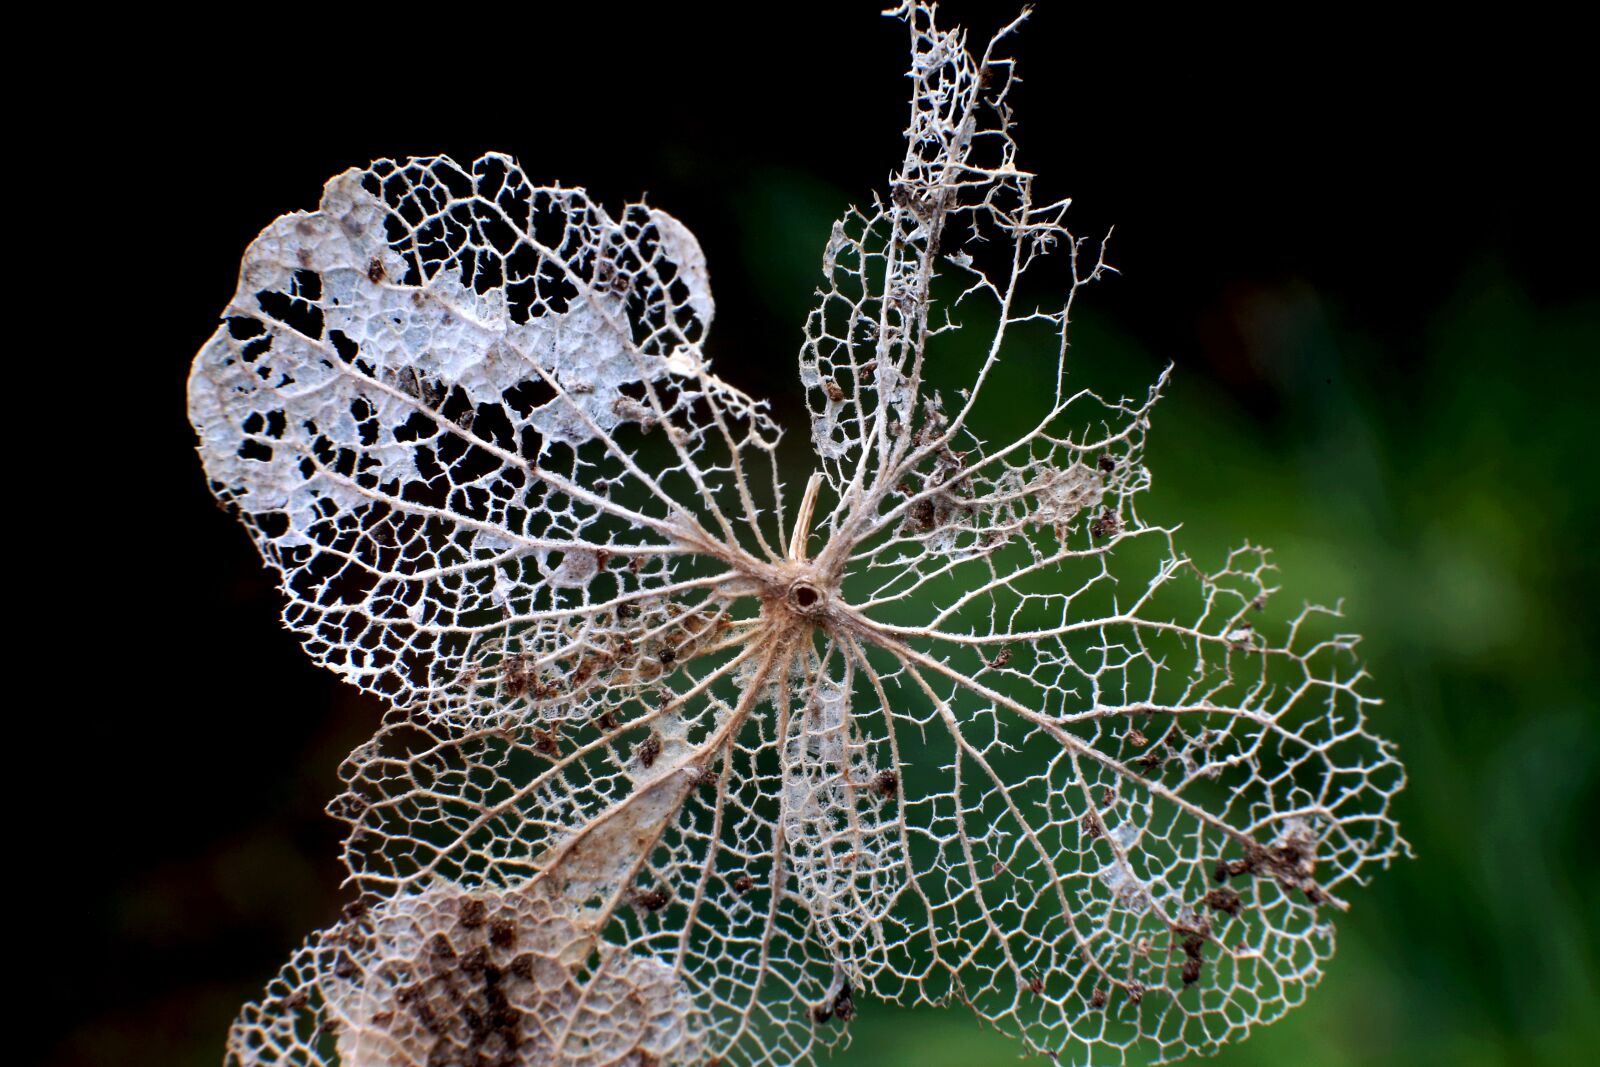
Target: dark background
{"points": [[1367, 249]]}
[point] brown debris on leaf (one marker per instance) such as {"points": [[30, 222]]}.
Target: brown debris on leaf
{"points": [[483, 976]]}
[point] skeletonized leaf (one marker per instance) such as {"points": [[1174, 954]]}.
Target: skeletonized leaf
{"points": [[455, 411], [677, 770]]}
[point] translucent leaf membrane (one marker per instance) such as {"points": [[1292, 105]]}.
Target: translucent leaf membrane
{"points": [[703, 829], [672, 775], [456, 412], [451, 976]]}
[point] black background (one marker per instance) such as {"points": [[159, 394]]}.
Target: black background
{"points": [[185, 746]]}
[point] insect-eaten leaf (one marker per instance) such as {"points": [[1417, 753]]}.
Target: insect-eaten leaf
{"points": [[684, 766]]}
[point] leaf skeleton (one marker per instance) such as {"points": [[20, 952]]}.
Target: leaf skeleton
{"points": [[685, 762]]}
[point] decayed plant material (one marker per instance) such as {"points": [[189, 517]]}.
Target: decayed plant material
{"points": [[683, 766]]}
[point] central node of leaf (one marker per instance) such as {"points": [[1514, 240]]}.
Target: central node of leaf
{"points": [[806, 597]]}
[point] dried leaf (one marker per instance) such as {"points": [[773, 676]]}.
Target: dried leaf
{"points": [[679, 769]]}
